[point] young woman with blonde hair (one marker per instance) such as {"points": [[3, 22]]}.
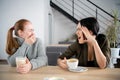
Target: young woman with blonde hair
{"points": [[25, 44]]}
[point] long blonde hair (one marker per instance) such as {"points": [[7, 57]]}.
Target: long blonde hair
{"points": [[12, 44]]}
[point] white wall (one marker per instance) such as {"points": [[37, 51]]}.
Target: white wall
{"points": [[13, 10], [63, 28]]}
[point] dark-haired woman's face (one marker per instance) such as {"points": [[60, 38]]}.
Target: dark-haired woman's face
{"points": [[79, 33]]}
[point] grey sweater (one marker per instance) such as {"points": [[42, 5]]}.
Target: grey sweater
{"points": [[35, 53]]}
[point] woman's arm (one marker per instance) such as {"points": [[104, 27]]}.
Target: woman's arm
{"points": [[41, 57], [102, 48], [101, 56], [21, 51], [71, 51]]}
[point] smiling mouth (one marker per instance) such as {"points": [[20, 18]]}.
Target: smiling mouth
{"points": [[79, 37]]}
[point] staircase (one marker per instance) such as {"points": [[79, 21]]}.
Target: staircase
{"points": [[76, 10], [63, 12]]}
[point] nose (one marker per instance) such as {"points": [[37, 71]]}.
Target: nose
{"points": [[32, 31], [77, 32]]}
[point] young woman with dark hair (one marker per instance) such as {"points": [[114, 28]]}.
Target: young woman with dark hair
{"points": [[91, 49]]}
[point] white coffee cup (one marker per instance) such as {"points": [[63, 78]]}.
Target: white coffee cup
{"points": [[72, 63], [20, 61]]}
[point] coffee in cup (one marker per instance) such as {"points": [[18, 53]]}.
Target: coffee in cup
{"points": [[20, 61], [72, 63]]}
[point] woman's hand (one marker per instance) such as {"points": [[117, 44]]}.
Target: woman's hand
{"points": [[90, 38], [30, 39], [24, 68], [62, 63]]}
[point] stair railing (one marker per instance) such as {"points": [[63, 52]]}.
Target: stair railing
{"points": [[102, 9]]}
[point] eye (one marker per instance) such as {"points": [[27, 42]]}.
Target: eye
{"points": [[78, 29], [32, 29]]}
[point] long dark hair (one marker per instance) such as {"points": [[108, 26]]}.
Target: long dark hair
{"points": [[91, 23]]}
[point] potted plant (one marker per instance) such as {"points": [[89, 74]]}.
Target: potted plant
{"points": [[112, 35], [112, 30]]}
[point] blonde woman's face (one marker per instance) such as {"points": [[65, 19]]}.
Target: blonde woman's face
{"points": [[28, 30]]}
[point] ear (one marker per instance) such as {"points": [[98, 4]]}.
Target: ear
{"points": [[20, 33], [91, 32]]}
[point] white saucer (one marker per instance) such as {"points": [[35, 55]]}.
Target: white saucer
{"points": [[78, 69]]}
